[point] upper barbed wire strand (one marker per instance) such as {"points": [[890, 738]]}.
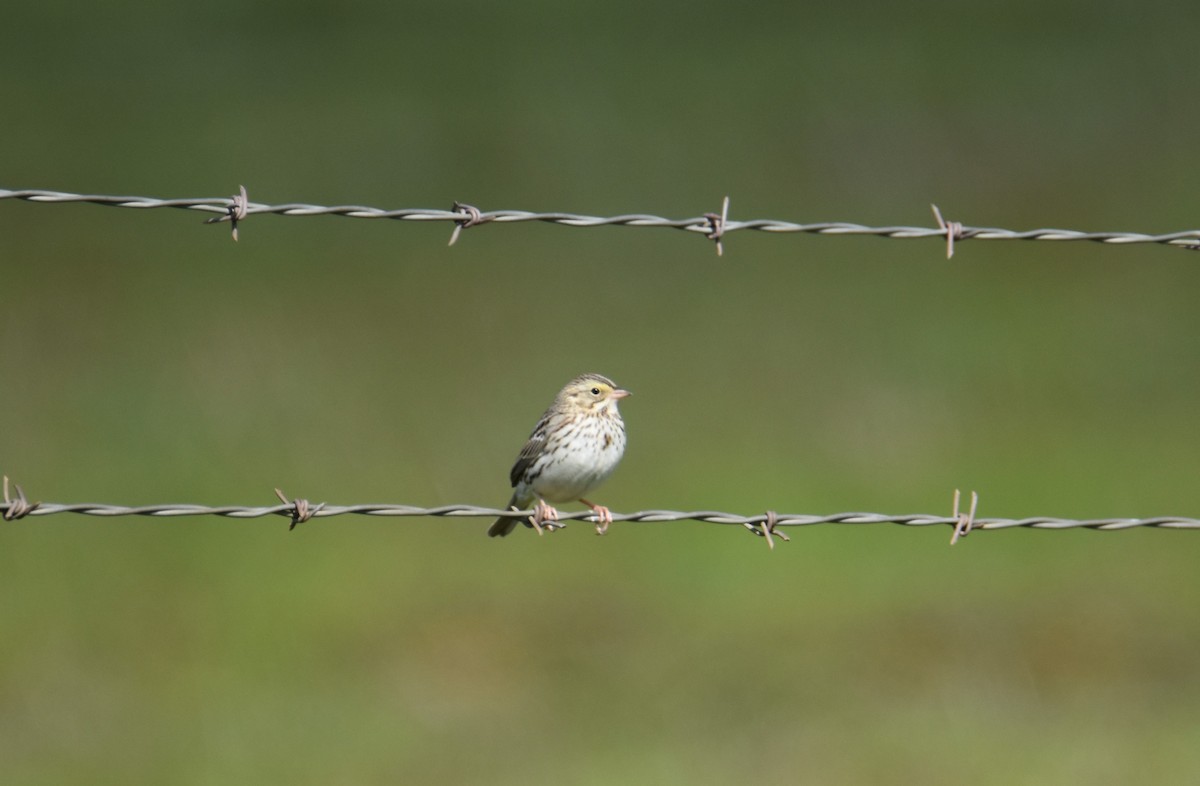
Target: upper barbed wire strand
{"points": [[699, 224]]}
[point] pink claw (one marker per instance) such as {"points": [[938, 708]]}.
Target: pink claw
{"points": [[603, 516], [544, 514]]}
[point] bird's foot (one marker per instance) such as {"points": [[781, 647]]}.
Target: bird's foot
{"points": [[603, 516], [545, 517]]}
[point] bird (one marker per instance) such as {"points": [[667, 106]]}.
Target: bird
{"points": [[574, 447]]}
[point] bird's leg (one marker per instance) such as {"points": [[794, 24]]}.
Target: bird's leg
{"points": [[544, 514], [603, 516]]}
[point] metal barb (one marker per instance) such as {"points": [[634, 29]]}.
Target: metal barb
{"points": [[301, 509], [768, 528], [717, 224], [472, 217], [239, 208], [19, 507], [963, 522], [952, 229]]}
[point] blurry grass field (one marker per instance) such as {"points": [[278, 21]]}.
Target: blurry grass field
{"points": [[150, 359]]}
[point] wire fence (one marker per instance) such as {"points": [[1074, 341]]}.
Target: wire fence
{"points": [[714, 226], [767, 525]]}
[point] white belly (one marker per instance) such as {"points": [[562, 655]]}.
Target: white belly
{"points": [[570, 474]]}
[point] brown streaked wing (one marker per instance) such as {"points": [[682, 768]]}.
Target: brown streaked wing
{"points": [[533, 448]]}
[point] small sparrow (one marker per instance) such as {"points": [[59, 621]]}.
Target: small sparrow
{"points": [[574, 447]]}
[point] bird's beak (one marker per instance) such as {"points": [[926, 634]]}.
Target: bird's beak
{"points": [[620, 394]]}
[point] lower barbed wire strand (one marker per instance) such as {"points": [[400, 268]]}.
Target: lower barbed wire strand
{"points": [[644, 516]]}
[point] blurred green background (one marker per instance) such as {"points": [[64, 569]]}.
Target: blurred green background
{"points": [[149, 359]]}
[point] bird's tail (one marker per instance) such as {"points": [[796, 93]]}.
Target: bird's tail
{"points": [[505, 524]]}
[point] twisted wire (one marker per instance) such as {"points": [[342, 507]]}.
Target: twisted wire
{"points": [[289, 510], [710, 225]]}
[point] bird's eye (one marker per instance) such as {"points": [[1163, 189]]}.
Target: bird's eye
{"points": [[595, 391]]}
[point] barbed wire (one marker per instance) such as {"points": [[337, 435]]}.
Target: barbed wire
{"points": [[714, 226], [766, 524]]}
